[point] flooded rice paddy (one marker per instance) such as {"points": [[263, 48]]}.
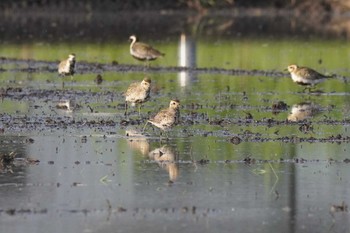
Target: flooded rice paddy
{"points": [[253, 152]]}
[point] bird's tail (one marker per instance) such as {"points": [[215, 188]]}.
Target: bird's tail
{"points": [[331, 76]]}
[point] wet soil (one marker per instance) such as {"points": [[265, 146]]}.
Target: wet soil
{"points": [[52, 120], [86, 68]]}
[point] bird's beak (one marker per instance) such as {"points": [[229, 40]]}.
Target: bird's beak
{"points": [[286, 69]]}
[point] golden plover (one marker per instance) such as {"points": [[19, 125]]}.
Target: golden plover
{"points": [[138, 93], [167, 118], [306, 76]]}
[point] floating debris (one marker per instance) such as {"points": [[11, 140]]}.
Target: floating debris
{"points": [[7, 162], [235, 140], [279, 107], [339, 208]]}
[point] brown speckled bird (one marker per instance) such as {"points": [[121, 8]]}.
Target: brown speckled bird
{"points": [[306, 76], [142, 51], [138, 93], [67, 67], [167, 118]]}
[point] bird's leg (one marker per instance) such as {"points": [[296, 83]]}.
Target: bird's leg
{"points": [[126, 108], [312, 89], [161, 138], [144, 127], [166, 135], [139, 110], [306, 88]]}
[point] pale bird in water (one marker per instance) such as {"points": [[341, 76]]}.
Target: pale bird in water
{"points": [[306, 76], [138, 141], [138, 93], [142, 51], [67, 67], [167, 159], [68, 105], [167, 118], [303, 111]]}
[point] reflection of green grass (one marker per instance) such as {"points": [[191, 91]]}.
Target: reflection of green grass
{"points": [[274, 55], [9, 107], [259, 54]]}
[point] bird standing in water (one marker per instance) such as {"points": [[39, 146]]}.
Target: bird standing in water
{"points": [[137, 93], [142, 51], [306, 76], [167, 118], [67, 66]]}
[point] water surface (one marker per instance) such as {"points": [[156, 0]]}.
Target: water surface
{"points": [[236, 161]]}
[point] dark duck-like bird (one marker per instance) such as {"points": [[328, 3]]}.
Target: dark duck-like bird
{"points": [[142, 51]]}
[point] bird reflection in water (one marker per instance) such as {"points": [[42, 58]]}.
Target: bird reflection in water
{"points": [[167, 159], [165, 156], [303, 111], [137, 141]]}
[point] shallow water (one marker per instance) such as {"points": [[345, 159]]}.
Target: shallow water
{"points": [[234, 162]]}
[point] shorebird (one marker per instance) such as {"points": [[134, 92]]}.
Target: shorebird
{"points": [[166, 118], [306, 76], [142, 51], [67, 105], [66, 67], [137, 93]]}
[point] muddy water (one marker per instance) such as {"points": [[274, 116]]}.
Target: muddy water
{"points": [[253, 152]]}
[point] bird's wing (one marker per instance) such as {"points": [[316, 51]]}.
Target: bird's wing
{"points": [[141, 48], [153, 52], [161, 116], [311, 74], [131, 89], [147, 50], [62, 64]]}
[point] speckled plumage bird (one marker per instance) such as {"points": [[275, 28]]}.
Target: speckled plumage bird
{"points": [[306, 76], [167, 118], [67, 67], [138, 93], [142, 51]]}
